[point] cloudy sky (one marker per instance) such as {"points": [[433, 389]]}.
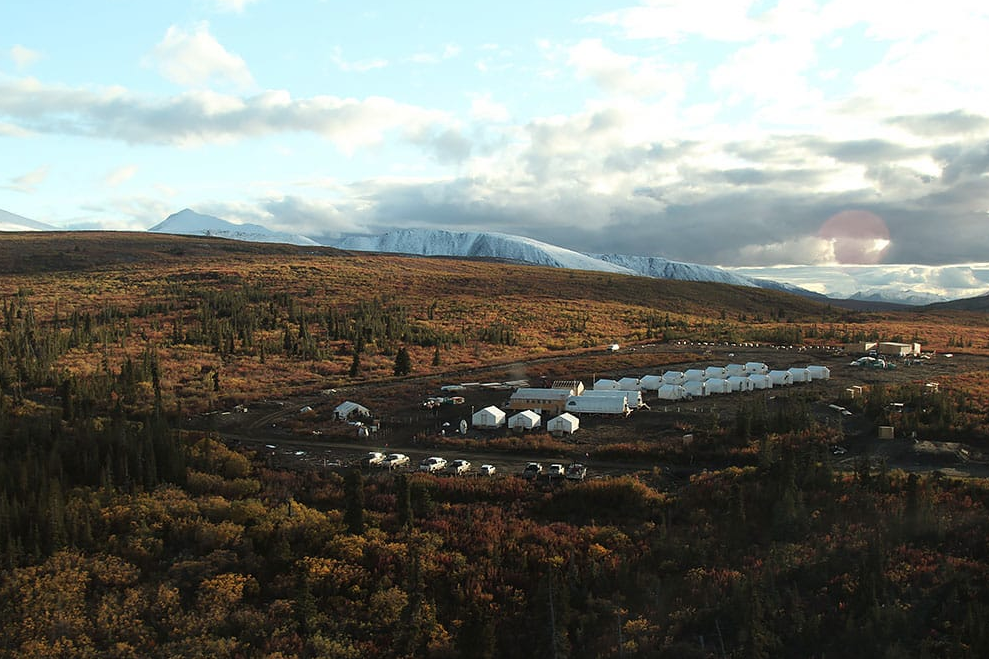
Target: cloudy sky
{"points": [[744, 133]]}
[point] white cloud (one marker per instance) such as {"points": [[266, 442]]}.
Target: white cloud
{"points": [[483, 108], [23, 57], [197, 117], [30, 181], [236, 6], [676, 19], [359, 66], [194, 58], [624, 74], [809, 249], [120, 175], [449, 51]]}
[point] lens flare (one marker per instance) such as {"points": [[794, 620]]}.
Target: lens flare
{"points": [[857, 236]]}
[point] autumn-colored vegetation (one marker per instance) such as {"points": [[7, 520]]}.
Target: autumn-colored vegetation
{"points": [[123, 533]]}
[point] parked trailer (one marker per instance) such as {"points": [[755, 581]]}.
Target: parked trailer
{"points": [[633, 398], [598, 405]]}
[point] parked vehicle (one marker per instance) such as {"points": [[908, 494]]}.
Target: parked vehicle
{"points": [[555, 471], [395, 460], [576, 472], [487, 470], [532, 470], [459, 467], [432, 464], [373, 459]]}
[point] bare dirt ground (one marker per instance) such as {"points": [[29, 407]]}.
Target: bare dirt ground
{"points": [[290, 436]]}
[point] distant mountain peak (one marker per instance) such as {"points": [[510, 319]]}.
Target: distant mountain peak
{"points": [[476, 244], [13, 222], [190, 223]]}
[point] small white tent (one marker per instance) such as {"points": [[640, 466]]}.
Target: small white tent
{"points": [[672, 392], [695, 388], [629, 384], [739, 383], [756, 367], [349, 409], [715, 372], [735, 369], [489, 417], [761, 381], [674, 377], [565, 424], [718, 386], [694, 374], [525, 420], [819, 372], [781, 378], [605, 384], [799, 373], [650, 382]]}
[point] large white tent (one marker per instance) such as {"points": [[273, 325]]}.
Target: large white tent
{"points": [[524, 420], [489, 417], [566, 424]]}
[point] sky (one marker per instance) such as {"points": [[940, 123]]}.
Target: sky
{"points": [[743, 133]]}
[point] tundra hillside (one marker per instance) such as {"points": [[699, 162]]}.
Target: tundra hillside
{"points": [[125, 533]]}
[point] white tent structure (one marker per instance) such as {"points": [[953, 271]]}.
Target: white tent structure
{"points": [[604, 384], [674, 377], [756, 367], [715, 372], [524, 420], [799, 373], [740, 383], [349, 409], [735, 369], [761, 381], [650, 382], [695, 388], [629, 384], [672, 392], [717, 386], [781, 378], [566, 424], [819, 372], [489, 417], [694, 374]]}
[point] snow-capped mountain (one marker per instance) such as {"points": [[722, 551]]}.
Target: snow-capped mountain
{"points": [[190, 223], [11, 222], [897, 296], [658, 267], [438, 242]]}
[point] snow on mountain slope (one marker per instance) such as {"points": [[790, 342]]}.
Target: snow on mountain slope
{"points": [[438, 242], [189, 223], [11, 222], [655, 266], [898, 296]]}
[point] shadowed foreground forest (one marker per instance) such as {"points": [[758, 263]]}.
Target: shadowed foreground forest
{"points": [[136, 540], [124, 532]]}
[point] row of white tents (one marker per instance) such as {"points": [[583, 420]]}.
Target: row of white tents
{"points": [[677, 385], [493, 417]]}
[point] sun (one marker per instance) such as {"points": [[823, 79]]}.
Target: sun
{"points": [[857, 236]]}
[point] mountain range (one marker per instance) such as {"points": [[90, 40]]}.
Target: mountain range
{"points": [[492, 245]]}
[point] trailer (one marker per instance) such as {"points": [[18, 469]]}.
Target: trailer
{"points": [[598, 405]]}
